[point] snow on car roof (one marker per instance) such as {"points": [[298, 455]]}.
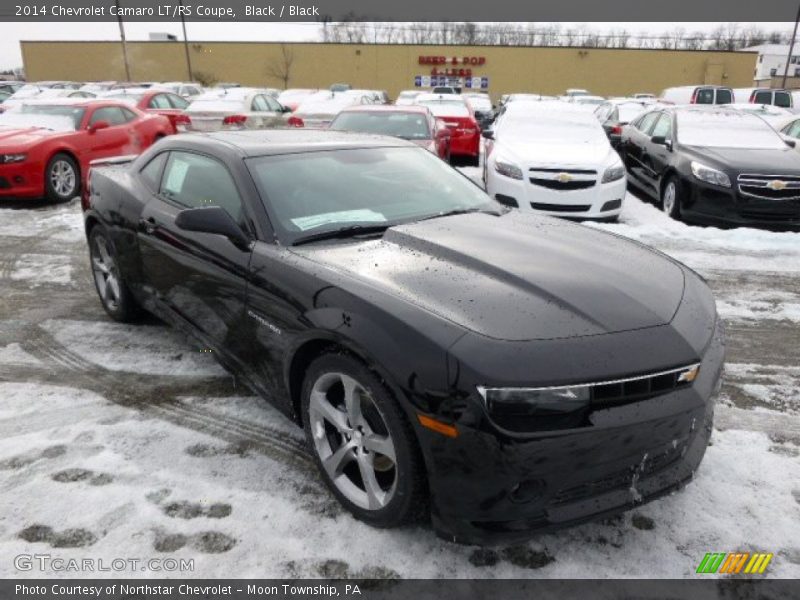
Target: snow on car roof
{"points": [[328, 102], [725, 128]]}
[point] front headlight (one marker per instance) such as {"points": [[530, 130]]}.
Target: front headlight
{"points": [[614, 173], [709, 175], [535, 402], [507, 169], [12, 158]]}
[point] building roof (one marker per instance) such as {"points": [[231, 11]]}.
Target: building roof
{"points": [[781, 49]]}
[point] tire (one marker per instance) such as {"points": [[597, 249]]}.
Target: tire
{"points": [[670, 198], [114, 294], [347, 441], [62, 178]]}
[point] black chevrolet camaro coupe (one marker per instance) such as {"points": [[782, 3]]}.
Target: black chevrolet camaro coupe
{"points": [[502, 372], [714, 165]]}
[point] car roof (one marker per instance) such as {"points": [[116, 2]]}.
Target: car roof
{"points": [[270, 142], [409, 108], [74, 101]]}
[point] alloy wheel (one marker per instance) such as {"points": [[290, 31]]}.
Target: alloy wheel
{"points": [[352, 441], [62, 178], [669, 198], [106, 276]]}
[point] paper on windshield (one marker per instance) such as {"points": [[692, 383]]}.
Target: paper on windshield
{"points": [[343, 216]]}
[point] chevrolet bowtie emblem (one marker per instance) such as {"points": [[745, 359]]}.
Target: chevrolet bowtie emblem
{"points": [[565, 177], [777, 185]]}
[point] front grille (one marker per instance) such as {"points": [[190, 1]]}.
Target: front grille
{"points": [[563, 180], [570, 208], [772, 216], [770, 187], [550, 409], [564, 186]]}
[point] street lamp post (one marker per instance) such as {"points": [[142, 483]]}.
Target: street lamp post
{"points": [[124, 43]]}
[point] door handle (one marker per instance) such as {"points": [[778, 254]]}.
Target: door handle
{"points": [[148, 225]]}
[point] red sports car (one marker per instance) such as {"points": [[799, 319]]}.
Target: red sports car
{"points": [[46, 146], [414, 123], [465, 140], [155, 100]]}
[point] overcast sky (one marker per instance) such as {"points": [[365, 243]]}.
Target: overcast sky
{"points": [[12, 33]]}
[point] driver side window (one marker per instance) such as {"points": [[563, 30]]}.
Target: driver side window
{"points": [[110, 114], [197, 181], [664, 127], [646, 122]]}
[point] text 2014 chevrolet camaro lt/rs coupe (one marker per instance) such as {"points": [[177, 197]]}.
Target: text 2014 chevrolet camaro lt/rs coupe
{"points": [[500, 371]]}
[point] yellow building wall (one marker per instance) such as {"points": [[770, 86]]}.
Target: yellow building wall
{"points": [[606, 72]]}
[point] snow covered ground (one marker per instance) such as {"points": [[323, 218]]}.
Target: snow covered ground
{"points": [[129, 442]]}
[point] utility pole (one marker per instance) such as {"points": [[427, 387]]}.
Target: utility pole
{"points": [[791, 48], [124, 44], [186, 44]]}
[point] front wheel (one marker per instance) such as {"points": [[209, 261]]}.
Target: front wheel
{"points": [[363, 445], [670, 199], [62, 178]]}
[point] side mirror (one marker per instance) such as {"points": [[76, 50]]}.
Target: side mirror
{"points": [[98, 125], [488, 134], [285, 109], [790, 142], [662, 141], [212, 219]]}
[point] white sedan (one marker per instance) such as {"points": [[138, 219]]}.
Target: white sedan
{"points": [[235, 108], [554, 158]]}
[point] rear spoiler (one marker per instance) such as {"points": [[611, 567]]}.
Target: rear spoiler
{"points": [[112, 160]]}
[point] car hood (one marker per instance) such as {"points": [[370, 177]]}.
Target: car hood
{"points": [[23, 137], [557, 154], [784, 161], [515, 277]]}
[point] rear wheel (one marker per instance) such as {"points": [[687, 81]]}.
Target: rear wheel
{"points": [[670, 199], [62, 178], [363, 445], [114, 294]]}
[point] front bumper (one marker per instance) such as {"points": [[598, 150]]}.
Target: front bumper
{"points": [[714, 205], [22, 180], [601, 201], [492, 486]]}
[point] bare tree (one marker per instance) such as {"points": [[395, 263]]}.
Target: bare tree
{"points": [[281, 69]]}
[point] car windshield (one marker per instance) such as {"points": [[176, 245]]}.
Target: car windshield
{"points": [[314, 192], [57, 118], [726, 130], [441, 108], [409, 126], [628, 112], [553, 128]]}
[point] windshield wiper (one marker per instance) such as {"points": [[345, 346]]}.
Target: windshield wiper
{"points": [[461, 211], [342, 232]]}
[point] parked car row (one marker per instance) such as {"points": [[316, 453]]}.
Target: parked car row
{"points": [[570, 156]]}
